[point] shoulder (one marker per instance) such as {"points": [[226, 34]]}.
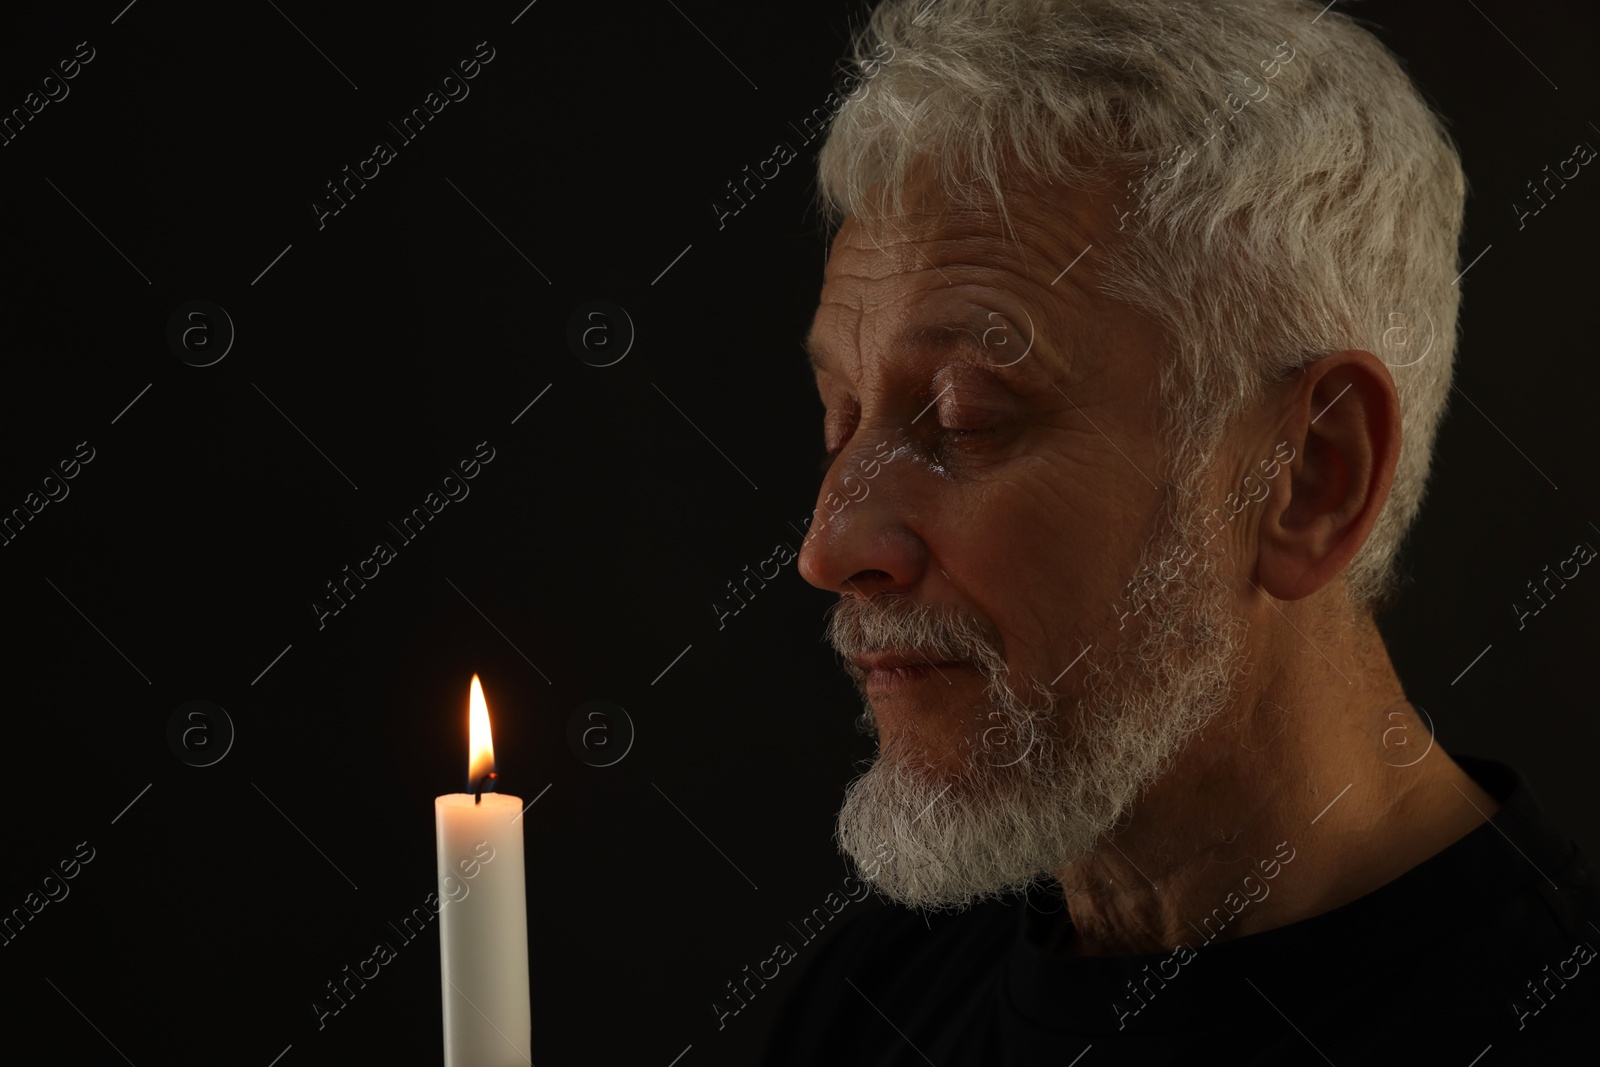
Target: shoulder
{"points": [[1506, 927]]}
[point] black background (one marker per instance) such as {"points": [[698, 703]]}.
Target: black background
{"points": [[585, 559]]}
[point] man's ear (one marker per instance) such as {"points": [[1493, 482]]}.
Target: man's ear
{"points": [[1344, 423]]}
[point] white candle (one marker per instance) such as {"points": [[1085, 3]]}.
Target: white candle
{"points": [[483, 931]]}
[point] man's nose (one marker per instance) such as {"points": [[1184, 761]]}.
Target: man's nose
{"points": [[859, 541]]}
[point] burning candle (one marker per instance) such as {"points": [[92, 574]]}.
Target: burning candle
{"points": [[483, 936]]}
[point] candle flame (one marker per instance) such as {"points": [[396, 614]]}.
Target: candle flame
{"points": [[480, 747]]}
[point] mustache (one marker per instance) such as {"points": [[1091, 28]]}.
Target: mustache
{"points": [[885, 622]]}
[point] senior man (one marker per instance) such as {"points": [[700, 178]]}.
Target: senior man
{"points": [[1121, 456]]}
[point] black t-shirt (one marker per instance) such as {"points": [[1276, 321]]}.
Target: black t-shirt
{"points": [[1486, 949]]}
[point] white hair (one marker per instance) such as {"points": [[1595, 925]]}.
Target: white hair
{"points": [[1325, 211]]}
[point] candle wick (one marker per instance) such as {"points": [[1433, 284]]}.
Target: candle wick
{"points": [[488, 781]]}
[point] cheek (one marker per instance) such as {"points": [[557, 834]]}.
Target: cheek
{"points": [[1042, 554]]}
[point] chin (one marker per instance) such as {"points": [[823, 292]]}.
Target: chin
{"points": [[928, 742]]}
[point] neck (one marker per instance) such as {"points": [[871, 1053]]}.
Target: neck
{"points": [[1306, 795]]}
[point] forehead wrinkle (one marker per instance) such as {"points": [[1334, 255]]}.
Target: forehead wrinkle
{"points": [[1064, 304], [960, 319], [981, 252], [820, 354], [1046, 221]]}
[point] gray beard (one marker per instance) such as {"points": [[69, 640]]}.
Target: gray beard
{"points": [[1051, 776]]}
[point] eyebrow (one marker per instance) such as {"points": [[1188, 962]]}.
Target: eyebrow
{"points": [[814, 357], [940, 336]]}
